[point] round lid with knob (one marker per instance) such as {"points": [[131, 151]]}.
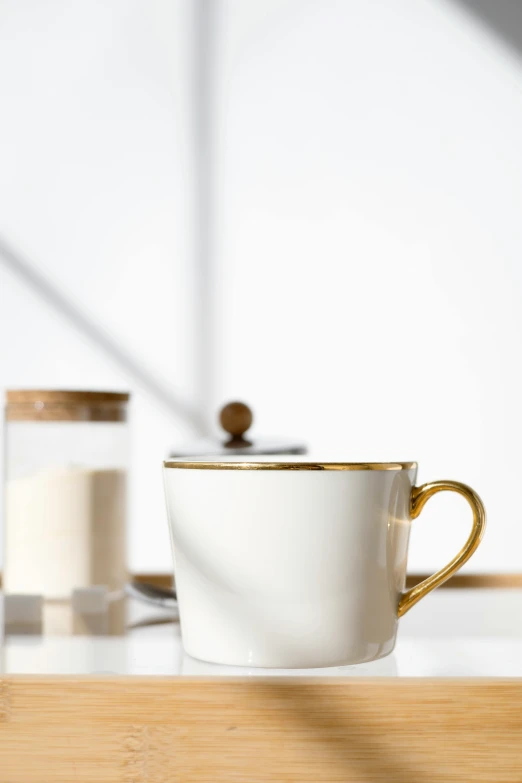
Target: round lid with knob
{"points": [[236, 419]]}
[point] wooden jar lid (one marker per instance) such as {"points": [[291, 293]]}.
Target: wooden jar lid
{"points": [[57, 395], [62, 405]]}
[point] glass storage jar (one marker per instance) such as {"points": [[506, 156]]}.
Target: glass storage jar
{"points": [[66, 456]]}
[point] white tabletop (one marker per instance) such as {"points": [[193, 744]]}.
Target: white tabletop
{"points": [[452, 633]]}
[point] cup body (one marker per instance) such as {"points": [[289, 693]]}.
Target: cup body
{"points": [[290, 566]]}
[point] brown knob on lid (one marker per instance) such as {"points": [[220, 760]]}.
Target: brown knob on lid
{"points": [[236, 418]]}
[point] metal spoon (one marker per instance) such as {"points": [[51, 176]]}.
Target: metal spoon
{"points": [[150, 594]]}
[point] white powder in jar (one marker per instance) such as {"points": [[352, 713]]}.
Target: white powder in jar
{"points": [[64, 529]]}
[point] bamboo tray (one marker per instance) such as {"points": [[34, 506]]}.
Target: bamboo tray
{"points": [[446, 706]]}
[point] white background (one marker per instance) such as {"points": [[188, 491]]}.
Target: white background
{"points": [[366, 255]]}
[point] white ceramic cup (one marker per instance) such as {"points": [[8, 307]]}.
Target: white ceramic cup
{"points": [[297, 564]]}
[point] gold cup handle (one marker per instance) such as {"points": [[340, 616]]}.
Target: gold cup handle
{"points": [[418, 499]]}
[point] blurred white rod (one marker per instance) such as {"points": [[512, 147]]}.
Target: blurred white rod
{"points": [[203, 129]]}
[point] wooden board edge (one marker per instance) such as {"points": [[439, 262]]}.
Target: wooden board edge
{"points": [[197, 730], [467, 581]]}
